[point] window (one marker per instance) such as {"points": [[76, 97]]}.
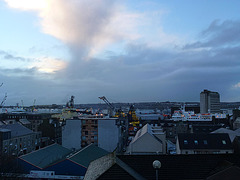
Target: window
{"points": [[195, 142], [185, 142], [224, 142], [83, 121], [84, 138], [205, 142], [86, 132]]}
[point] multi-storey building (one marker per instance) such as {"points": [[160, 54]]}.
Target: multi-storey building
{"points": [[15, 139], [209, 102], [105, 132], [35, 119]]}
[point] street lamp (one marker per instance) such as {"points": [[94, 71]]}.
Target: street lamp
{"points": [[157, 165]]}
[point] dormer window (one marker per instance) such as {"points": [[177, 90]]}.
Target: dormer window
{"points": [[195, 142], [205, 142]]}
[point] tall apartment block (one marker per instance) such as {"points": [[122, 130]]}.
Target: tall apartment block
{"points": [[209, 102], [102, 131]]}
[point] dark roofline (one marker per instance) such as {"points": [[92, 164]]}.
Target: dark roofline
{"points": [[220, 141]]}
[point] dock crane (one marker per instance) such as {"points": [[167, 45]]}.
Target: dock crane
{"points": [[118, 112], [33, 107], [108, 103], [3, 101]]}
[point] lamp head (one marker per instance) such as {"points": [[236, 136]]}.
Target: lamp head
{"points": [[157, 164]]}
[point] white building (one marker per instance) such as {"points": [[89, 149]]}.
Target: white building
{"points": [[82, 131], [71, 134], [148, 140], [109, 134]]}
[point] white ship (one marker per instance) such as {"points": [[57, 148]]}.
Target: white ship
{"points": [[182, 115]]}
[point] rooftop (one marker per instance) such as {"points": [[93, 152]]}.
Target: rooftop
{"points": [[232, 134], [46, 156], [88, 154], [204, 141], [17, 129]]}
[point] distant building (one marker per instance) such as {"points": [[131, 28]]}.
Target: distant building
{"points": [[219, 143], [29, 120], [15, 139], [148, 140], [209, 102]]}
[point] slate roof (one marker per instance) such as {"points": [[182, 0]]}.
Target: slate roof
{"points": [[116, 172], [46, 156], [24, 121], [204, 128], [232, 172], [196, 166], [237, 130], [88, 154], [17, 129], [204, 141], [232, 134]]}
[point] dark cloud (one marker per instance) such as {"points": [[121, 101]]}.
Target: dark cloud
{"points": [[219, 34], [142, 73], [18, 71], [8, 56]]}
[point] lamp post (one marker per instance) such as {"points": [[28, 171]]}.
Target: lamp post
{"points": [[157, 165]]}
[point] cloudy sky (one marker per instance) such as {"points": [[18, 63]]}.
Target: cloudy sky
{"points": [[126, 50]]}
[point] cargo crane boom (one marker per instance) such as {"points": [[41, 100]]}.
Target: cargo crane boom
{"points": [[3, 101], [107, 102]]}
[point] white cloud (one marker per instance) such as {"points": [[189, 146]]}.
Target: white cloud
{"points": [[96, 24], [48, 65], [237, 85]]}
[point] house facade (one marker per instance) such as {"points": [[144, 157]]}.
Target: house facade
{"points": [[148, 140], [15, 139]]}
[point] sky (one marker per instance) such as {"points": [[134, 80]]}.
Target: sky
{"points": [[126, 50]]}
